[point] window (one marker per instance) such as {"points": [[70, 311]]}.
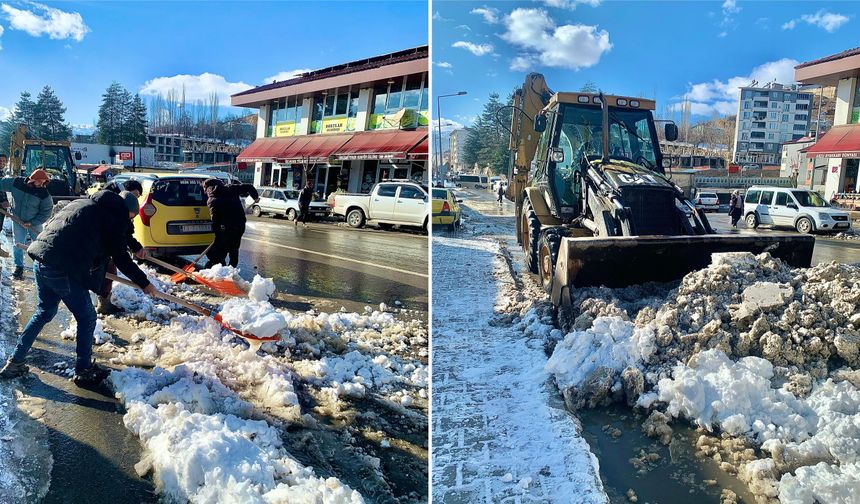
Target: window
{"points": [[771, 115], [854, 118], [352, 111], [766, 197], [781, 198], [411, 192], [266, 193], [772, 125], [747, 104], [412, 93], [395, 96], [799, 127], [387, 190], [801, 117], [380, 97], [801, 106], [771, 136], [329, 105], [745, 136], [774, 105], [786, 107], [784, 117], [341, 103], [752, 196], [746, 115]]}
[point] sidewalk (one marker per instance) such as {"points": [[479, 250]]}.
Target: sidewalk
{"points": [[500, 430]]}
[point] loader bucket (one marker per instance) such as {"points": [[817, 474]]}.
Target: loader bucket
{"points": [[629, 260]]}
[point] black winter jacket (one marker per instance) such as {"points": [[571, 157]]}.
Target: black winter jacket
{"points": [[81, 238], [306, 195], [225, 205]]}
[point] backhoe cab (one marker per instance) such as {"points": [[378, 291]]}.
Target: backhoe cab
{"points": [[55, 157], [593, 203]]}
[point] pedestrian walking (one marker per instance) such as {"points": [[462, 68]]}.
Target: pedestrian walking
{"points": [[228, 219], [735, 207], [31, 204], [69, 260], [105, 306], [500, 193], [306, 195]]}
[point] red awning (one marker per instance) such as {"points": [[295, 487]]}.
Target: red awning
{"points": [[840, 142], [313, 148], [265, 150], [380, 144], [100, 170], [420, 150]]}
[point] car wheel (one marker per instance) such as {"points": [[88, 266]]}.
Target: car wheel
{"points": [[256, 211], [752, 221], [291, 214], [355, 218], [804, 225]]}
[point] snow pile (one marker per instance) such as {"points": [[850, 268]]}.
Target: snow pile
{"points": [[221, 272], [199, 453], [139, 305], [261, 289], [847, 235], [258, 318], [100, 336], [747, 347]]}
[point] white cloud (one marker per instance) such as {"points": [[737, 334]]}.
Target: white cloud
{"points": [[286, 75], [5, 113], [197, 87], [570, 4], [721, 96], [476, 49], [464, 27], [827, 21], [567, 46], [727, 22], [44, 20], [448, 125], [489, 14], [443, 64], [522, 63]]}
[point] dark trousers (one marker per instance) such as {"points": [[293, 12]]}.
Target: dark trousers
{"points": [[107, 284], [304, 210], [228, 239], [52, 286]]}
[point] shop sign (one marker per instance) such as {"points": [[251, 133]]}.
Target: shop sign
{"points": [[284, 129]]}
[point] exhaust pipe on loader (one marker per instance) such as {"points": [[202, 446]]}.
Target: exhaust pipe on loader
{"points": [[629, 260]]}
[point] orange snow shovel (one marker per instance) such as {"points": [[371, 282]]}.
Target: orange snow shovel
{"points": [[178, 277], [197, 309], [226, 287]]}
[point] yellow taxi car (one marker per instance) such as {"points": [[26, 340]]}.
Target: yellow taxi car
{"points": [[446, 208], [173, 218]]}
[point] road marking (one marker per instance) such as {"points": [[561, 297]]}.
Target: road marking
{"points": [[340, 258]]}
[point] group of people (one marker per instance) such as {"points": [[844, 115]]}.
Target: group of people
{"points": [[74, 249]]}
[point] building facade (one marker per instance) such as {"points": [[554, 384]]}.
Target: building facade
{"points": [[344, 127], [457, 143], [809, 173], [769, 116], [174, 148], [840, 146]]}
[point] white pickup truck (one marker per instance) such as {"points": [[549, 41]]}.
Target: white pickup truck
{"points": [[393, 202]]}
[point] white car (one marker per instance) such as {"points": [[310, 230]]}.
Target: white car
{"points": [[393, 202], [707, 201], [285, 202], [803, 210]]}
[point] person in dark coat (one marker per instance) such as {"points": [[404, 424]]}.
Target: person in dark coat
{"points": [[736, 208], [228, 219], [306, 195], [105, 306], [69, 259]]}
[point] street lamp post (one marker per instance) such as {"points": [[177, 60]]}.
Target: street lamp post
{"points": [[439, 124]]}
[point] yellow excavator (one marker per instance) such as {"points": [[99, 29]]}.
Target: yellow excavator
{"points": [[594, 205], [27, 154]]}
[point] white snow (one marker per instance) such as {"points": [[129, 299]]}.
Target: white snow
{"points": [[221, 272], [258, 318], [261, 288], [100, 336]]}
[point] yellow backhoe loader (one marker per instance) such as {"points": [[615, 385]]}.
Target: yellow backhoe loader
{"points": [[594, 205], [27, 154]]}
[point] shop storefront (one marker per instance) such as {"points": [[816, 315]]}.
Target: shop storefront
{"points": [[345, 127]]}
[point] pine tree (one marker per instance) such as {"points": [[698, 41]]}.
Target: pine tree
{"points": [[110, 115], [487, 143], [48, 117], [137, 122]]}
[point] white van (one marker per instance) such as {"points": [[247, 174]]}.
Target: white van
{"points": [[803, 210]]}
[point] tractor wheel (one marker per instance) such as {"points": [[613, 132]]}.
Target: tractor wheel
{"points": [[531, 235], [550, 242], [804, 225]]}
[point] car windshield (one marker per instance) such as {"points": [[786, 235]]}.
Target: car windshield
{"points": [[630, 137], [437, 194], [179, 192], [809, 199]]}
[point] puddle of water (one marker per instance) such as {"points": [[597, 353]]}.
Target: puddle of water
{"points": [[677, 476]]}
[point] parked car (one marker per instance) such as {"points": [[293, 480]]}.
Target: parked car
{"points": [[478, 182], [173, 216], [707, 201], [285, 202], [806, 211], [446, 208], [392, 202]]}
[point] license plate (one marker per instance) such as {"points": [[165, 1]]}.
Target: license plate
{"points": [[196, 228]]}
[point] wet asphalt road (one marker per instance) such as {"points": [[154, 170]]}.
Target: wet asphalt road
{"points": [[326, 265]]}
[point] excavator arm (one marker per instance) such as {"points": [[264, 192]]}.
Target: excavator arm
{"points": [[528, 102]]}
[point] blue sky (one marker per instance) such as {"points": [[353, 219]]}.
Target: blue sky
{"points": [[78, 48], [654, 49]]}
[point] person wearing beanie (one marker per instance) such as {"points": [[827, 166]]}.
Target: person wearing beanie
{"points": [[228, 219], [31, 204], [69, 260]]}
